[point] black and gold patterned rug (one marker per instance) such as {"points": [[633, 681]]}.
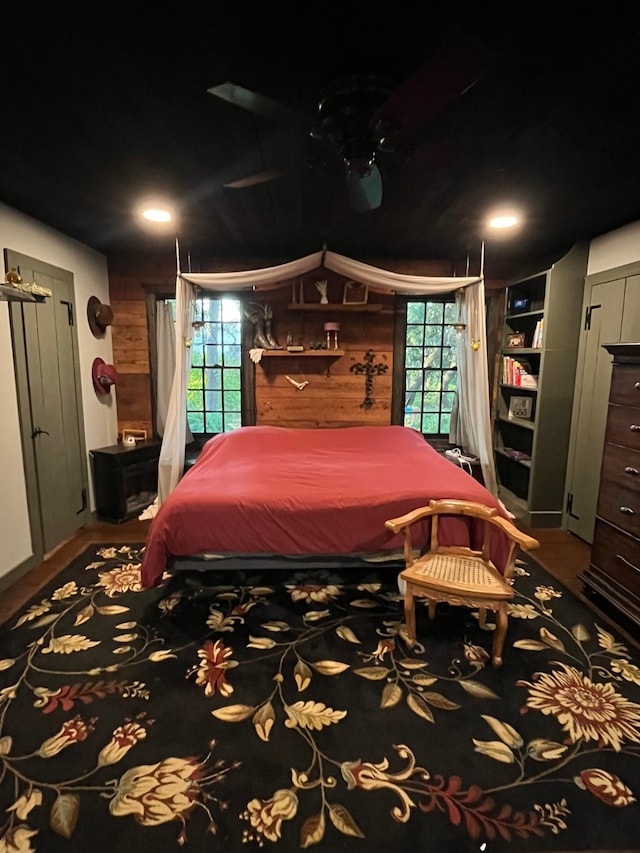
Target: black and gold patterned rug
{"points": [[283, 709]]}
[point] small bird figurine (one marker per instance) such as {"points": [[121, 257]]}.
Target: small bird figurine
{"points": [[298, 385]]}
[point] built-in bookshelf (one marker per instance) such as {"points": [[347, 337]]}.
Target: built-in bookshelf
{"points": [[534, 400]]}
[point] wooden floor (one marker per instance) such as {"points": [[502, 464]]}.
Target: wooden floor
{"points": [[15, 596], [563, 555]]}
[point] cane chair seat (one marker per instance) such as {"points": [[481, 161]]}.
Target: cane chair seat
{"points": [[460, 574]]}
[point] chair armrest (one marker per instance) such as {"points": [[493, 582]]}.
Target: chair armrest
{"points": [[524, 541], [444, 507], [402, 524], [488, 515], [396, 525]]}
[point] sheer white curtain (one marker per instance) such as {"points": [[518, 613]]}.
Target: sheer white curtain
{"points": [[171, 464], [172, 451], [472, 372], [473, 427], [165, 361]]}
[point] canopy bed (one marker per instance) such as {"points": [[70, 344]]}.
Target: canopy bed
{"points": [[473, 431], [264, 490], [473, 428]]}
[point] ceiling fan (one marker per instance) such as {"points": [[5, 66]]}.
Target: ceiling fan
{"points": [[361, 115]]}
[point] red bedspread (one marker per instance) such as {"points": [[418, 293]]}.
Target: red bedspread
{"points": [[275, 490]]}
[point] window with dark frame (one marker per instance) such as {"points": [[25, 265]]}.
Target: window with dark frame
{"points": [[214, 390], [430, 376], [221, 387]]}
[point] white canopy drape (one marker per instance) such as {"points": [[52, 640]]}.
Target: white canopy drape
{"points": [[471, 356]]}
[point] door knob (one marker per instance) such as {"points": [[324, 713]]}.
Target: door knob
{"points": [[38, 432]]}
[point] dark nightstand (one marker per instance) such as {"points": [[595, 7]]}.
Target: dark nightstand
{"points": [[125, 479]]}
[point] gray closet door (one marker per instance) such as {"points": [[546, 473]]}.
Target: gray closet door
{"points": [[47, 373], [631, 316], [605, 306]]}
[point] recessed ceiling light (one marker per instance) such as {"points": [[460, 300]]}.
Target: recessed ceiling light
{"points": [[157, 214], [503, 220]]}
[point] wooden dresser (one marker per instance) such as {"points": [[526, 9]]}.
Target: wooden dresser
{"points": [[614, 571]]}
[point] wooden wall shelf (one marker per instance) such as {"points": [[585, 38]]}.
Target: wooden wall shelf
{"points": [[12, 294], [334, 307], [327, 353]]}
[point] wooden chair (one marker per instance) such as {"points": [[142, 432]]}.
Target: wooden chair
{"points": [[458, 574]]}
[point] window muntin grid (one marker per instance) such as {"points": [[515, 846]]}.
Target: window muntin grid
{"points": [[214, 391], [430, 370]]}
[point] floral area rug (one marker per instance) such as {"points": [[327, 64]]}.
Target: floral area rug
{"points": [[284, 709]]}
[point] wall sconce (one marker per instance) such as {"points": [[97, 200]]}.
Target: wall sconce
{"points": [[329, 328]]}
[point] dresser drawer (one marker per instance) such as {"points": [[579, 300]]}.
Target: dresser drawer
{"points": [[617, 555], [621, 466], [620, 506], [625, 385], [623, 426]]}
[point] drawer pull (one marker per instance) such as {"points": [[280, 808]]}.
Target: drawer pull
{"points": [[637, 386], [630, 564], [627, 509], [634, 427], [630, 470]]}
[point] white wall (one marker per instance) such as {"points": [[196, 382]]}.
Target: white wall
{"points": [[89, 268], [614, 249]]}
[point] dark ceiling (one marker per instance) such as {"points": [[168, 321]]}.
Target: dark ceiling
{"points": [[102, 111]]}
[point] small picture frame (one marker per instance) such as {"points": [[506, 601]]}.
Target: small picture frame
{"points": [[355, 293], [130, 437], [515, 340], [520, 408], [520, 304]]}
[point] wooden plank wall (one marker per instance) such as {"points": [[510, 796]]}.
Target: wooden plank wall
{"points": [[335, 395], [129, 333]]}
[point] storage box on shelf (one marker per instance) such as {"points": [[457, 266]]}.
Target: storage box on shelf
{"points": [[534, 398]]}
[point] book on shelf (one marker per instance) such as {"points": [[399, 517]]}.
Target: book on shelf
{"points": [[518, 455], [518, 372], [528, 380], [536, 342]]}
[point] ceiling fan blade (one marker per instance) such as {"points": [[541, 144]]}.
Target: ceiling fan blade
{"points": [[364, 188], [450, 72], [254, 180], [259, 104]]}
